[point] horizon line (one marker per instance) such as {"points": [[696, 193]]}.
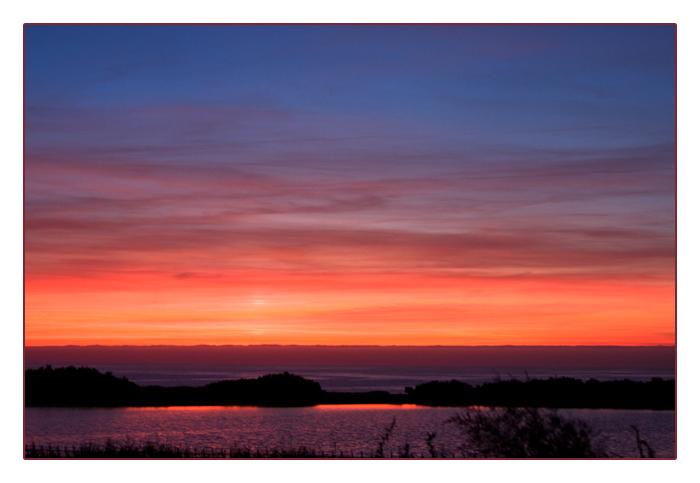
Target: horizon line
{"points": [[339, 346]]}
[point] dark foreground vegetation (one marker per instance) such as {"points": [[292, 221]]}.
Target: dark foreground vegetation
{"points": [[500, 433], [151, 450], [85, 387]]}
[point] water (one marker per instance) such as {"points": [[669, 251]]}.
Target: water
{"points": [[350, 429], [360, 378]]}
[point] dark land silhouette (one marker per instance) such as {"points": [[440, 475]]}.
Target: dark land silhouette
{"points": [[86, 387]]}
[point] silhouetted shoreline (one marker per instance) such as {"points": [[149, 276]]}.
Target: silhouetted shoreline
{"points": [[86, 387]]}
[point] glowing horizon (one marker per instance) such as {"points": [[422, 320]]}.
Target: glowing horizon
{"points": [[350, 185]]}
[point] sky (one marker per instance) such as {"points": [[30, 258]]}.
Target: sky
{"points": [[350, 185]]}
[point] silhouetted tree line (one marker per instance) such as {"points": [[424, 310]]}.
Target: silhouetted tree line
{"points": [[77, 387], [560, 392], [86, 387]]}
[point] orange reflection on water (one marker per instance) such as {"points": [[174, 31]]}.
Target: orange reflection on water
{"points": [[322, 407], [330, 407], [188, 408]]}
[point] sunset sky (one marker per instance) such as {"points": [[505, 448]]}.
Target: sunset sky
{"points": [[385, 185]]}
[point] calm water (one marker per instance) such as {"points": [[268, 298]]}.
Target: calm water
{"points": [[355, 429]]}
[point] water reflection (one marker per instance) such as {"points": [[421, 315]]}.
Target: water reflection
{"points": [[354, 429]]}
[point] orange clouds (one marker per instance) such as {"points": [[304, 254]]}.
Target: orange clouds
{"points": [[333, 309]]}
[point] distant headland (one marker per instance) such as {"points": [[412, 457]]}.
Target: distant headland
{"points": [[87, 387]]}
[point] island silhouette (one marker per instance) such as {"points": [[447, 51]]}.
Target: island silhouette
{"points": [[87, 387]]}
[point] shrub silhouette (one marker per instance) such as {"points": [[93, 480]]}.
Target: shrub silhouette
{"points": [[525, 433]]}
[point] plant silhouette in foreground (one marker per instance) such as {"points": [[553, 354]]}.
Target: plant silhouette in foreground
{"points": [[153, 450], [384, 439], [641, 444], [525, 433], [431, 447]]}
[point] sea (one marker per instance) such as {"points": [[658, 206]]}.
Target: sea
{"points": [[352, 430]]}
